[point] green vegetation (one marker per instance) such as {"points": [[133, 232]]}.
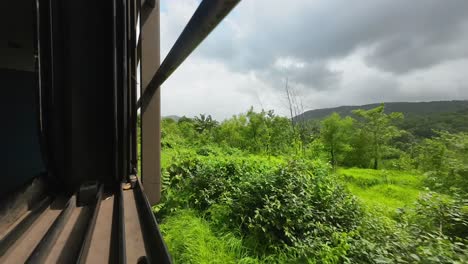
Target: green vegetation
{"points": [[192, 241], [377, 127], [258, 188], [445, 159], [384, 190], [421, 118], [334, 135]]}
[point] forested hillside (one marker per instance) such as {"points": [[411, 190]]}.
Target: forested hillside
{"points": [[261, 188], [421, 118], [413, 108]]}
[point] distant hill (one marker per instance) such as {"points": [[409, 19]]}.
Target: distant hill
{"points": [[421, 118], [407, 108], [173, 117]]}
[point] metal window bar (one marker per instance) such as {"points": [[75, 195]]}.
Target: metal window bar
{"points": [[207, 16]]}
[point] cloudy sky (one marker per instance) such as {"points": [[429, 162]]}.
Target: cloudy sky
{"points": [[332, 52]]}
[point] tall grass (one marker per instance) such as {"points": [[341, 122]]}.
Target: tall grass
{"points": [[191, 240], [383, 190]]}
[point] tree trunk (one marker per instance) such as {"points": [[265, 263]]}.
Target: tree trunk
{"points": [[332, 153]]}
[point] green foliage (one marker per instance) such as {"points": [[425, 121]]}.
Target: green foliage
{"points": [[200, 181], [361, 155], [190, 240], [371, 138], [288, 206], [430, 229], [297, 213], [367, 178], [336, 134], [204, 123], [293, 206], [446, 215], [380, 240], [256, 132], [257, 188], [316, 150], [424, 126], [445, 161], [378, 129], [421, 118], [385, 191]]}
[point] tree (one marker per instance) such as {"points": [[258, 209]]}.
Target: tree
{"points": [[378, 129], [444, 159], [257, 130], [204, 123], [280, 137], [231, 132], [301, 129], [335, 133]]}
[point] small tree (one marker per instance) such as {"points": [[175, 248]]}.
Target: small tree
{"points": [[204, 123], [335, 133], [379, 130]]}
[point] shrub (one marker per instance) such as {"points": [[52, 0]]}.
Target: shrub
{"points": [[195, 181], [437, 213], [415, 238], [445, 161], [277, 206], [293, 205]]}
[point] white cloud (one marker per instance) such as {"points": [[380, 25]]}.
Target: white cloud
{"points": [[288, 62], [204, 86]]}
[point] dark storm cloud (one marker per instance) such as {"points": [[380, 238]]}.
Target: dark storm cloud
{"points": [[311, 75], [401, 36]]}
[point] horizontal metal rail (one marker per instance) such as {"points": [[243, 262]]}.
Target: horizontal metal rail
{"points": [[19, 230], [90, 227], [120, 226], [207, 16], [42, 249], [155, 247]]}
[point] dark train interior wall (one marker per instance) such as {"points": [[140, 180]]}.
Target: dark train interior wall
{"points": [[76, 87], [20, 156], [83, 55]]}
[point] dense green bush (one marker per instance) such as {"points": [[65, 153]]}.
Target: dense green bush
{"points": [[424, 233], [437, 213], [200, 181], [295, 207], [445, 161]]}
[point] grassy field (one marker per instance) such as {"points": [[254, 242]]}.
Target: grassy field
{"points": [[383, 190]]}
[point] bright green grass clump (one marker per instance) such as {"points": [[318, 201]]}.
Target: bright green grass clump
{"points": [[166, 157], [383, 190], [190, 240], [368, 177]]}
